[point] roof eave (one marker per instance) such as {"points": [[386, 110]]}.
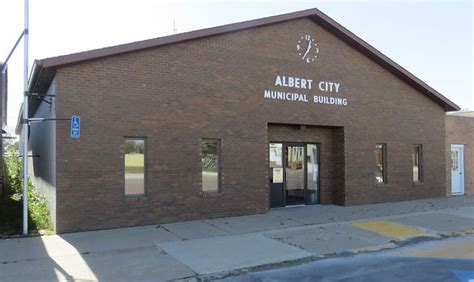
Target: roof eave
{"points": [[48, 66], [19, 124], [175, 38]]}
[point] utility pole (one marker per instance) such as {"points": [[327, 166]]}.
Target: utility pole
{"points": [[25, 123]]}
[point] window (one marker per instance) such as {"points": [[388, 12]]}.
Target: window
{"points": [[417, 163], [210, 165], [276, 155], [134, 166], [380, 164], [455, 160], [276, 162]]}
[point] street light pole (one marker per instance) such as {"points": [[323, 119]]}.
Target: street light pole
{"points": [[25, 123]]}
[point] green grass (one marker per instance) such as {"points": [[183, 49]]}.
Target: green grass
{"points": [[209, 169], [134, 169], [11, 214], [134, 163], [11, 206]]}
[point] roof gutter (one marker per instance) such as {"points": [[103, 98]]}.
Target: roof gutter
{"points": [[35, 75], [18, 122], [36, 71]]}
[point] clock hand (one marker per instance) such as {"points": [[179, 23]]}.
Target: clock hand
{"points": [[309, 47]]}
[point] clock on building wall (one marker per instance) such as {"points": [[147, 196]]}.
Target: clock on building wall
{"points": [[307, 49]]}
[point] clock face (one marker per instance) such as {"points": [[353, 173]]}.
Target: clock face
{"points": [[307, 49]]}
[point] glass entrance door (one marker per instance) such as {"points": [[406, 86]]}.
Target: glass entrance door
{"points": [[277, 197], [294, 174], [312, 174]]}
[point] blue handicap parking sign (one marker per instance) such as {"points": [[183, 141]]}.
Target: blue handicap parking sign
{"points": [[75, 127]]}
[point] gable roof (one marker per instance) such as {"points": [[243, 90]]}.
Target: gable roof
{"points": [[44, 70]]}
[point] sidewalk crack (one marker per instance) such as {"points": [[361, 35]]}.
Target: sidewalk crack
{"points": [[217, 227], [169, 231]]}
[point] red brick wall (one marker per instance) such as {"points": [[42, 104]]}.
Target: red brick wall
{"points": [[213, 88], [460, 130]]}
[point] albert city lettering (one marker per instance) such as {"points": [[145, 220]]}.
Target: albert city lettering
{"points": [[327, 86], [295, 82], [305, 84]]}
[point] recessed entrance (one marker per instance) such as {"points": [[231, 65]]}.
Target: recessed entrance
{"points": [[294, 174]]}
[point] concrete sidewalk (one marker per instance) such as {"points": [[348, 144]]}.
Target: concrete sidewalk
{"points": [[213, 248]]}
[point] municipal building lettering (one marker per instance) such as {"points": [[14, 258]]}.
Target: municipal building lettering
{"points": [[304, 84]]}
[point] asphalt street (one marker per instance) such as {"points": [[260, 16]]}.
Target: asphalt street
{"points": [[443, 261]]}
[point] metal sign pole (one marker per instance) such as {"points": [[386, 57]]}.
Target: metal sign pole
{"points": [[25, 124]]}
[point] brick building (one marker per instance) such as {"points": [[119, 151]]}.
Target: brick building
{"points": [[460, 154], [237, 119]]}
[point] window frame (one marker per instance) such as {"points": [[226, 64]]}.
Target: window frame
{"points": [[219, 170], [384, 164], [145, 168], [419, 151]]}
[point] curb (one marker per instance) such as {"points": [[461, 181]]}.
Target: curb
{"points": [[394, 244]]}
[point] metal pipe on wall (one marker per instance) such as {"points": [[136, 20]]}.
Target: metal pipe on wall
{"points": [[25, 122]]}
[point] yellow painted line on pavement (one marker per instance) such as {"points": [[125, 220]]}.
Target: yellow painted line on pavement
{"points": [[459, 249], [389, 228]]}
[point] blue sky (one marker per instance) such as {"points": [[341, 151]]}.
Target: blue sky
{"points": [[431, 39]]}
